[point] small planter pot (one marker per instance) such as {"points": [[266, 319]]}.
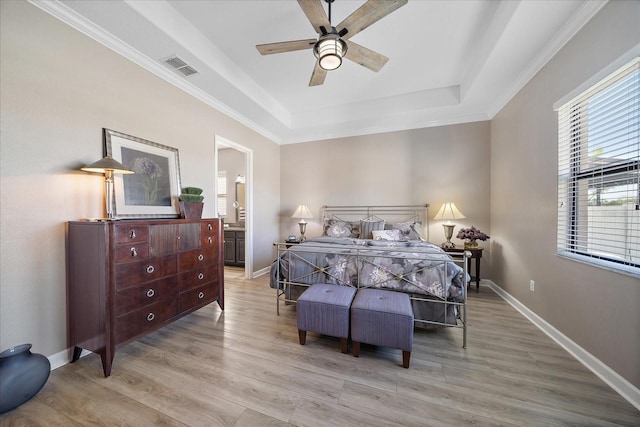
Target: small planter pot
{"points": [[22, 375], [191, 210]]}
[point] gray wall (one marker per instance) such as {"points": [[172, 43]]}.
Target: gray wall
{"points": [[597, 309], [59, 89], [432, 165]]}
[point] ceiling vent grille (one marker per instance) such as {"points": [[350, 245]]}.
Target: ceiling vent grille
{"points": [[180, 65]]}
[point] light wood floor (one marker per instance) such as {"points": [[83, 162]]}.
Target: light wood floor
{"points": [[245, 367]]}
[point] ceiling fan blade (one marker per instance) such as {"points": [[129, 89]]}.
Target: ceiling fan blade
{"points": [[365, 57], [315, 14], [318, 75], [280, 47], [367, 14]]}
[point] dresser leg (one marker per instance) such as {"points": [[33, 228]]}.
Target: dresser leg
{"points": [[107, 361], [77, 351]]}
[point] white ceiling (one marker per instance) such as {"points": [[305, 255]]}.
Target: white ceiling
{"points": [[450, 61]]}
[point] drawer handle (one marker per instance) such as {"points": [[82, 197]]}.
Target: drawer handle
{"points": [[201, 295], [200, 276], [132, 235], [210, 240], [200, 257], [210, 227], [150, 317], [134, 253], [150, 269], [151, 293]]}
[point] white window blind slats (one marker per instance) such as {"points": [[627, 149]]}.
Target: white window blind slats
{"points": [[599, 171]]}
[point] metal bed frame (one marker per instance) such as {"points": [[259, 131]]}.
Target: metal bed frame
{"points": [[365, 254]]}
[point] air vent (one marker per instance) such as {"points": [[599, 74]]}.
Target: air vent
{"points": [[180, 65]]}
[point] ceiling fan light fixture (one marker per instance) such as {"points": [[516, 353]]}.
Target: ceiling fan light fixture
{"points": [[330, 50]]}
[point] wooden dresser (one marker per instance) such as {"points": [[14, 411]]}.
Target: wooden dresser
{"points": [[127, 278]]}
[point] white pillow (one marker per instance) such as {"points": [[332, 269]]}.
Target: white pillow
{"points": [[386, 234]]}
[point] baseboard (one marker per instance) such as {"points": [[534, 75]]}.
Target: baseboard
{"points": [[261, 272], [61, 358], [623, 387]]}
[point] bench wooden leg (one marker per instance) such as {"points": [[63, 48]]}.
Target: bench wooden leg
{"points": [[303, 336], [356, 348], [406, 355], [343, 345]]}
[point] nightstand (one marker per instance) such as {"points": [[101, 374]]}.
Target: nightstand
{"points": [[287, 243], [475, 254]]}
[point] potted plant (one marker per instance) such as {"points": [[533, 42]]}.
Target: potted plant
{"points": [[191, 203], [471, 236]]}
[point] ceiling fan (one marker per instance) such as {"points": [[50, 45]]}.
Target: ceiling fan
{"points": [[331, 45]]}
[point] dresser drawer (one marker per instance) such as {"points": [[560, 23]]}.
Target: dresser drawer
{"points": [[144, 319], [130, 252], [196, 259], [209, 228], [124, 232], [198, 297], [135, 297], [134, 273], [198, 277]]}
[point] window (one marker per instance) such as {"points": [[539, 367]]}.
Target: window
{"points": [[222, 194], [599, 173]]}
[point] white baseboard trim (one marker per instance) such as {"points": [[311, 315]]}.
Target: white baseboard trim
{"points": [[623, 387], [61, 358], [261, 272]]}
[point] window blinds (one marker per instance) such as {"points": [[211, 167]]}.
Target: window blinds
{"points": [[599, 171]]}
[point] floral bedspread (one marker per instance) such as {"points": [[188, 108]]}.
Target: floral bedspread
{"points": [[414, 266]]}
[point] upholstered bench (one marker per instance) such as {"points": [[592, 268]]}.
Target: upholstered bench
{"points": [[382, 318], [324, 309]]}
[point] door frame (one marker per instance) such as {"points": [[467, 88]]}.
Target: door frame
{"points": [[220, 141]]}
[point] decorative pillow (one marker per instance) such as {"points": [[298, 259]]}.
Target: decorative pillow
{"points": [[366, 227], [336, 228], [386, 234], [410, 230]]}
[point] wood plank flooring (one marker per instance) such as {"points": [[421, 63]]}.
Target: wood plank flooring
{"points": [[245, 367]]}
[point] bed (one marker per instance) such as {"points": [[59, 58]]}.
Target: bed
{"points": [[378, 247]]}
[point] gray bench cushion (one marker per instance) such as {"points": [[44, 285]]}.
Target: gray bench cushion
{"points": [[324, 309], [383, 318]]}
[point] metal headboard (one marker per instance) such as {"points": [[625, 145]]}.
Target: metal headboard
{"points": [[390, 213]]}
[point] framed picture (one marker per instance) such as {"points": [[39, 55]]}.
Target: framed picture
{"points": [[153, 189]]}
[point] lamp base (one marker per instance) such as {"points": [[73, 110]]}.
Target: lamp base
{"points": [[448, 233], [303, 227]]}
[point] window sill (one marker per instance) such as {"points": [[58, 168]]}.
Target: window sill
{"points": [[627, 270]]}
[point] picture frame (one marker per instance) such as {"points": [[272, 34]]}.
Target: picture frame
{"points": [[153, 189]]}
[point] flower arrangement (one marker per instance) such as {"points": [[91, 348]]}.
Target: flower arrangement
{"points": [[472, 234]]}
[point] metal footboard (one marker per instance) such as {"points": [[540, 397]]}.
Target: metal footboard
{"points": [[348, 269]]}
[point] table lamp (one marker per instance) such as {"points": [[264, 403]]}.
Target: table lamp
{"points": [[447, 212], [303, 213], [108, 166]]}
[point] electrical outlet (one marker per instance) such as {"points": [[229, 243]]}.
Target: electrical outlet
{"points": [[532, 285]]}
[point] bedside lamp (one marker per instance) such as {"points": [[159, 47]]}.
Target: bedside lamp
{"points": [[447, 212], [108, 166], [303, 213]]}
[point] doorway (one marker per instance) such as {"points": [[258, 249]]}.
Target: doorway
{"points": [[237, 202]]}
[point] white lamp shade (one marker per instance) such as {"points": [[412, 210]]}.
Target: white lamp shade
{"points": [[302, 212], [448, 211]]}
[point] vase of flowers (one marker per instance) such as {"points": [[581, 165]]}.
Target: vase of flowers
{"points": [[471, 237]]}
